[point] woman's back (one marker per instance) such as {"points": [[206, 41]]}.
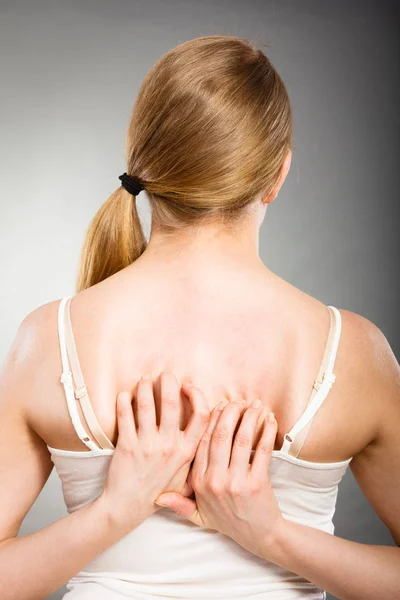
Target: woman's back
{"points": [[250, 335]]}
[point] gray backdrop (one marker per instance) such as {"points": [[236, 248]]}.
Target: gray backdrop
{"points": [[70, 72]]}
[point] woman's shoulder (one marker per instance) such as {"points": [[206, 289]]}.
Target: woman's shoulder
{"points": [[27, 353], [373, 372], [33, 331]]}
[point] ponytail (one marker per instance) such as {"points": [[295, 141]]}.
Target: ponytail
{"points": [[113, 240]]}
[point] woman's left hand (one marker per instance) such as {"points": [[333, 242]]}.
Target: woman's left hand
{"points": [[232, 496]]}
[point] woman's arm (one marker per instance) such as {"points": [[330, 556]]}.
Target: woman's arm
{"points": [[36, 565], [348, 570]]}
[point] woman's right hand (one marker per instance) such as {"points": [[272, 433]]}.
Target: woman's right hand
{"points": [[149, 459]]}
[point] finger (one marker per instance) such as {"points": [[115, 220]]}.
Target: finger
{"points": [[170, 404], [222, 436], [263, 453], [127, 436], [146, 412], [187, 488], [199, 418], [243, 442], [200, 462], [180, 505]]}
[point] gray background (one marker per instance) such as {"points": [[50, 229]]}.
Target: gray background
{"points": [[70, 72]]}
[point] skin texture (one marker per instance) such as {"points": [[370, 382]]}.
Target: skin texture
{"points": [[202, 305]]}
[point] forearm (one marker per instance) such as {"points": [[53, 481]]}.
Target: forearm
{"points": [[34, 566], [346, 569]]}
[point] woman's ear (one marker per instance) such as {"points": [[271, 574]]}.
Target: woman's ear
{"points": [[268, 198]]}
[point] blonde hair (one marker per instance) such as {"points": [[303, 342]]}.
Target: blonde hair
{"points": [[208, 133]]}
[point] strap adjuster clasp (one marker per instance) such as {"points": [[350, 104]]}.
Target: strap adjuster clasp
{"points": [[66, 379], [329, 377], [80, 392], [317, 384]]}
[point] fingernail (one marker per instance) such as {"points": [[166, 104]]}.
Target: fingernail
{"points": [[145, 376], [256, 404], [271, 417]]}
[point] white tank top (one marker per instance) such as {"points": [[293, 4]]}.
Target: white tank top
{"points": [[167, 556]]}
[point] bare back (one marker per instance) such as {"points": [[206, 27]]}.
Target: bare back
{"points": [[265, 343]]}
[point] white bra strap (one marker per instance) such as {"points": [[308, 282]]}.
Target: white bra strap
{"points": [[322, 385], [66, 380], [80, 391], [298, 442]]}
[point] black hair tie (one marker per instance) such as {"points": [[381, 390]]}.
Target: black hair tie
{"points": [[131, 184]]}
